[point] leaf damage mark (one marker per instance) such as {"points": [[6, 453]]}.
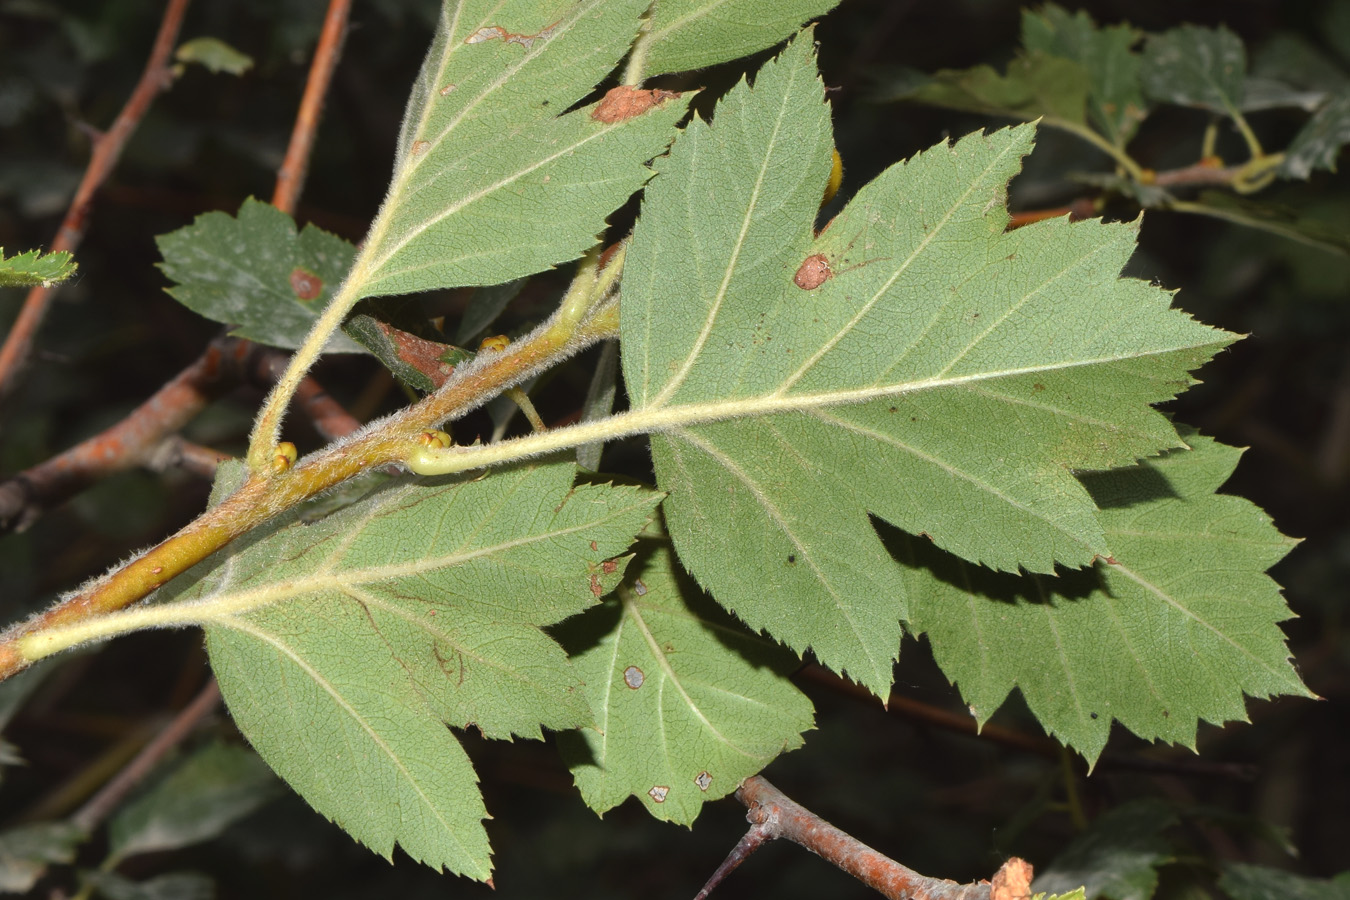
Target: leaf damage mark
{"points": [[596, 587], [627, 102], [498, 33], [306, 284], [639, 588], [814, 271], [633, 677], [703, 781], [609, 567], [658, 793]]}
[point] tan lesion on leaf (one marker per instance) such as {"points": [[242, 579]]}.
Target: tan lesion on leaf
{"points": [[498, 33], [627, 102]]}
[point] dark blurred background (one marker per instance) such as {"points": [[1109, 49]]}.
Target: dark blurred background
{"points": [[947, 804]]}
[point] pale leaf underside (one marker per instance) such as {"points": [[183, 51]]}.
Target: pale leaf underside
{"points": [[343, 645], [687, 703], [493, 181], [948, 377], [1174, 631]]}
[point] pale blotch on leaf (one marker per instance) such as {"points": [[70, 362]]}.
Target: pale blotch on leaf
{"points": [[420, 147], [639, 588], [658, 793], [445, 91], [703, 781], [633, 677], [497, 32], [306, 284]]}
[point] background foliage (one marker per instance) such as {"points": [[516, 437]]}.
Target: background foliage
{"points": [[928, 796]]}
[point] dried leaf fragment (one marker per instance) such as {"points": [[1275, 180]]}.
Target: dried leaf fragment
{"points": [[626, 102]]}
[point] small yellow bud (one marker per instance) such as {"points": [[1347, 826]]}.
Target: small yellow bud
{"points": [[437, 440], [285, 457], [836, 178], [495, 344]]}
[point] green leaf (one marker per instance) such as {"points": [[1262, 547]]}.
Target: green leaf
{"points": [[688, 704], [1118, 856], [342, 644], [258, 273], [1115, 99], [173, 886], [1194, 66], [26, 851], [947, 377], [1319, 142], [214, 54], [691, 34], [1285, 221], [492, 180], [1036, 85], [33, 267], [1242, 881], [216, 787], [1173, 630]]}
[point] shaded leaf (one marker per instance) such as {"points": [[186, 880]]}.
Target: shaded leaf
{"points": [[691, 34], [486, 304], [945, 376], [1115, 98], [1319, 142], [1118, 856], [1035, 85], [688, 704], [216, 787], [33, 267], [257, 272], [26, 851], [213, 54], [492, 181], [1194, 66], [342, 645], [1242, 881], [173, 886], [1175, 630], [1282, 220]]}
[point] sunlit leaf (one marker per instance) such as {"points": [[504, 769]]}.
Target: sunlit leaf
{"points": [[489, 156], [687, 703], [939, 372], [691, 34], [343, 644], [214, 55], [1173, 630]]}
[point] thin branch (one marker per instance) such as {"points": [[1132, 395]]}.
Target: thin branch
{"points": [[102, 804], [773, 815], [749, 843], [107, 149], [291, 175], [129, 443]]}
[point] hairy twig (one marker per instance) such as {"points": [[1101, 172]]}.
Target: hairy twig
{"points": [[107, 149], [773, 815]]}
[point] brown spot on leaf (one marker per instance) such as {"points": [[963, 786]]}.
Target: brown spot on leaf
{"points": [[633, 677], [594, 545], [609, 566], [445, 91], [596, 587], [497, 32], [626, 102], [423, 355], [703, 780], [658, 793], [306, 284], [814, 271], [420, 147]]}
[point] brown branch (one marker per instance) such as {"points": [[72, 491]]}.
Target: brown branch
{"points": [[773, 815], [102, 804], [1208, 172], [1082, 208], [291, 175], [127, 444], [107, 149]]}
